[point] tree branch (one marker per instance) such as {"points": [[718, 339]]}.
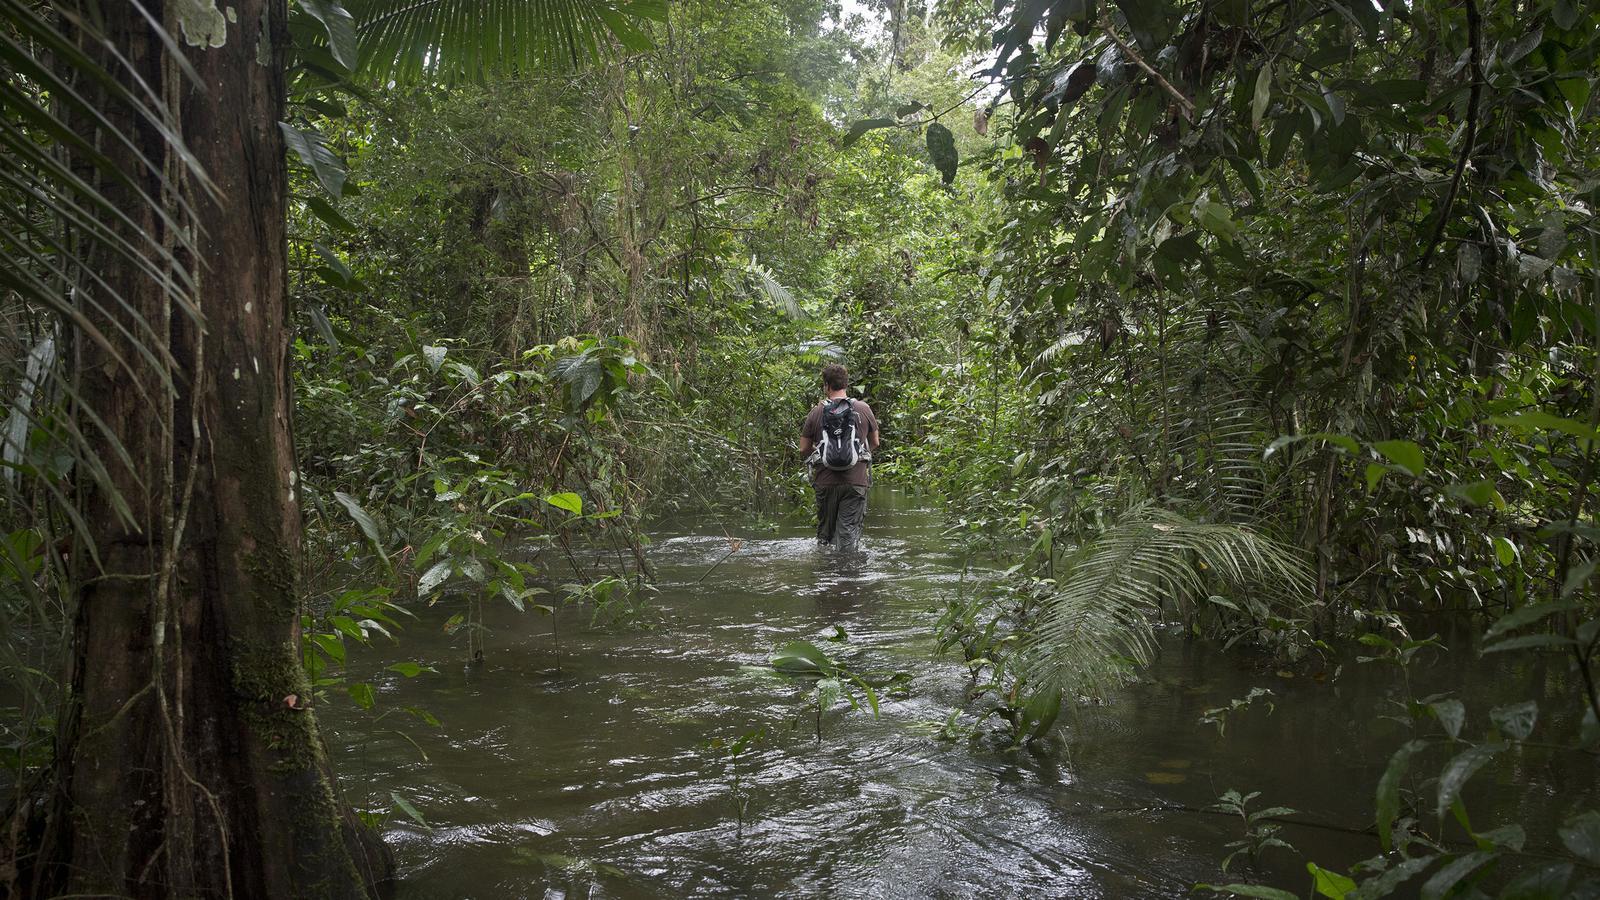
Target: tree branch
{"points": [[1185, 105]]}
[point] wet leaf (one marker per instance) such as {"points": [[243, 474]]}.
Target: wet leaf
{"points": [[1459, 770], [1452, 714], [801, 658], [1515, 720], [1581, 835], [1451, 874], [1547, 882], [434, 356], [1388, 800], [1506, 837], [436, 575]]}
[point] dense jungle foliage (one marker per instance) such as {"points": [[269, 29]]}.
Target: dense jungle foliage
{"points": [[1276, 323]]}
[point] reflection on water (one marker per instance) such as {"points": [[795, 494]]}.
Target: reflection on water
{"points": [[599, 781]]}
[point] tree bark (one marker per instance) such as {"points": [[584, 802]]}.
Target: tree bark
{"points": [[187, 762]]}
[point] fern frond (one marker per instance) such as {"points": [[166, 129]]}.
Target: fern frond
{"points": [[1098, 622]]}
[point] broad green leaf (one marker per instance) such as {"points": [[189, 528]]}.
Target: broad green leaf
{"points": [[1452, 714], [436, 575], [801, 658], [1530, 641], [364, 520], [1042, 709], [1535, 420], [1384, 884], [1504, 550], [1515, 720], [410, 669], [1215, 218], [341, 28], [1527, 615], [1459, 770], [1452, 873], [566, 500], [1546, 882], [1581, 835], [1329, 883], [1506, 837], [863, 126], [1404, 454], [1478, 493], [942, 150], [361, 692], [328, 168], [330, 215], [1375, 473], [1388, 800], [1578, 576], [434, 356]]}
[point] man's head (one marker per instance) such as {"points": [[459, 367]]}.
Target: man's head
{"points": [[834, 377]]}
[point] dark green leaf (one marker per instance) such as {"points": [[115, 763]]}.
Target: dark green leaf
{"points": [[1404, 454], [341, 28], [863, 126], [328, 168], [364, 520], [1459, 770], [1388, 801], [1451, 874], [1515, 720], [1581, 835], [942, 150], [1547, 882]]}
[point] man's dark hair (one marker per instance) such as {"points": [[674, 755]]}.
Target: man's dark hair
{"points": [[835, 377]]}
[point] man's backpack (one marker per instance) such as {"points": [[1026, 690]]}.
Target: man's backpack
{"points": [[842, 446]]}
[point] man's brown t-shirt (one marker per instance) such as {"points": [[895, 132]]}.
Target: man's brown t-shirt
{"points": [[866, 428]]}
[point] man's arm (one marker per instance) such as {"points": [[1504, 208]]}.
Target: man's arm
{"points": [[805, 446]]}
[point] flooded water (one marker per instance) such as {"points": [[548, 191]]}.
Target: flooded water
{"points": [[601, 781]]}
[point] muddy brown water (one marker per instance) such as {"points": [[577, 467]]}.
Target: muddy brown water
{"points": [[600, 781]]}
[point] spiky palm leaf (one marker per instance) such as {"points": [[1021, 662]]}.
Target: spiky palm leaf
{"points": [[1097, 625], [469, 39]]}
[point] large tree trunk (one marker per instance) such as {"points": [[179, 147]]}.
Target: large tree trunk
{"points": [[187, 763]]}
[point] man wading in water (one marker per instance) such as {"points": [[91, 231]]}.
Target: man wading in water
{"points": [[837, 440]]}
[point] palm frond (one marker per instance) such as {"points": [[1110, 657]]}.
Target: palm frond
{"points": [[1097, 626], [451, 40], [768, 286], [95, 176]]}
